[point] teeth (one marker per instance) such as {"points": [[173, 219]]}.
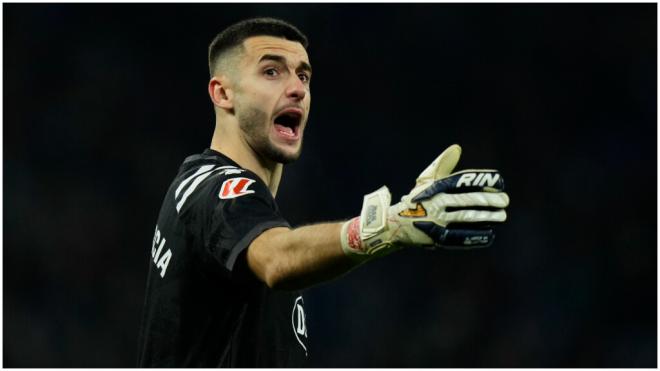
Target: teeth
{"points": [[285, 130]]}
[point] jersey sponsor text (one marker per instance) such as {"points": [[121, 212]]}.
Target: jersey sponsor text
{"points": [[161, 261]]}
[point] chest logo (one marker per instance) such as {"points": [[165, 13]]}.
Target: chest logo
{"points": [[298, 322], [235, 187]]}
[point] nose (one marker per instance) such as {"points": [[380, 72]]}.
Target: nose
{"points": [[296, 89]]}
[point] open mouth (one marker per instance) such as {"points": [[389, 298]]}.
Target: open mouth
{"points": [[288, 122]]}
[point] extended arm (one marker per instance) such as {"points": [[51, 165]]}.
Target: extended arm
{"points": [[442, 210], [292, 259]]}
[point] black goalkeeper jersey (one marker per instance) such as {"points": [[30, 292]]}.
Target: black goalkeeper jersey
{"points": [[203, 306]]}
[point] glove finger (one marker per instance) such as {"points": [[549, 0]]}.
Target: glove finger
{"points": [[483, 199], [456, 238], [464, 181], [473, 216], [442, 166]]}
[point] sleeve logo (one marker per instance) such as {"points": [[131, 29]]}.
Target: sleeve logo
{"points": [[235, 187]]}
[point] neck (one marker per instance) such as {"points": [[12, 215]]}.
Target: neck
{"points": [[233, 145]]}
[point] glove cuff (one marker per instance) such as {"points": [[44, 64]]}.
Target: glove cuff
{"points": [[367, 236], [351, 243]]}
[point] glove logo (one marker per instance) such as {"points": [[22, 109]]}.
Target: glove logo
{"points": [[478, 179], [371, 214], [235, 187], [475, 240], [417, 212]]}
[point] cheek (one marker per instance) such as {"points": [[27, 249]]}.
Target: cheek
{"points": [[265, 100], [308, 104], [256, 107], [255, 93], [307, 101]]}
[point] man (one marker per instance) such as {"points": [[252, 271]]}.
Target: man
{"points": [[225, 265]]}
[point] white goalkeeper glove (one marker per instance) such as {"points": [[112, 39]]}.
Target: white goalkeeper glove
{"points": [[443, 210]]}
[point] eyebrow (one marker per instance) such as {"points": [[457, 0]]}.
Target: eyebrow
{"points": [[280, 59]]}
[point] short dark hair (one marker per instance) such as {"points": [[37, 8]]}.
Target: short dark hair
{"points": [[235, 34]]}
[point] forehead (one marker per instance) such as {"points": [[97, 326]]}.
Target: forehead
{"points": [[257, 46]]}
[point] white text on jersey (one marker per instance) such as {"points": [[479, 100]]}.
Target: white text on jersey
{"points": [[156, 249]]}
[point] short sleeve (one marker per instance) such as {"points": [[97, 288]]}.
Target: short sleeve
{"points": [[233, 208]]}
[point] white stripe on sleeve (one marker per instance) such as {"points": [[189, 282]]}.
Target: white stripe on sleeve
{"points": [[202, 169], [197, 181]]}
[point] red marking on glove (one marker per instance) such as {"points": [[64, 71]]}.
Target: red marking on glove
{"points": [[354, 241]]}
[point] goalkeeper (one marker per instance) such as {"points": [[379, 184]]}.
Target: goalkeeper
{"points": [[225, 267]]}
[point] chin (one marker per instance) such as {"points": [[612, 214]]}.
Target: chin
{"points": [[281, 155]]}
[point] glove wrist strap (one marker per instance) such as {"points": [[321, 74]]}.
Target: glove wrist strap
{"points": [[367, 235], [351, 243]]}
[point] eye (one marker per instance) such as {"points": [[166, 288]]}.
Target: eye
{"points": [[303, 77], [271, 72]]}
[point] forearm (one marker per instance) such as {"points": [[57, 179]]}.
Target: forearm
{"points": [[298, 258]]}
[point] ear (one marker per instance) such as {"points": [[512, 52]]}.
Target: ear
{"points": [[221, 94]]}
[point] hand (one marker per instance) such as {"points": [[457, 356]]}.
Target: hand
{"points": [[444, 209]]}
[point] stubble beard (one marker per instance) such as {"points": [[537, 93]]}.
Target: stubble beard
{"points": [[251, 121]]}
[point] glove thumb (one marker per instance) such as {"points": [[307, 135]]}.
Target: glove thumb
{"points": [[442, 166]]}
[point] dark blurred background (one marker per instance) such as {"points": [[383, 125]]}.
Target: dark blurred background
{"points": [[102, 102]]}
